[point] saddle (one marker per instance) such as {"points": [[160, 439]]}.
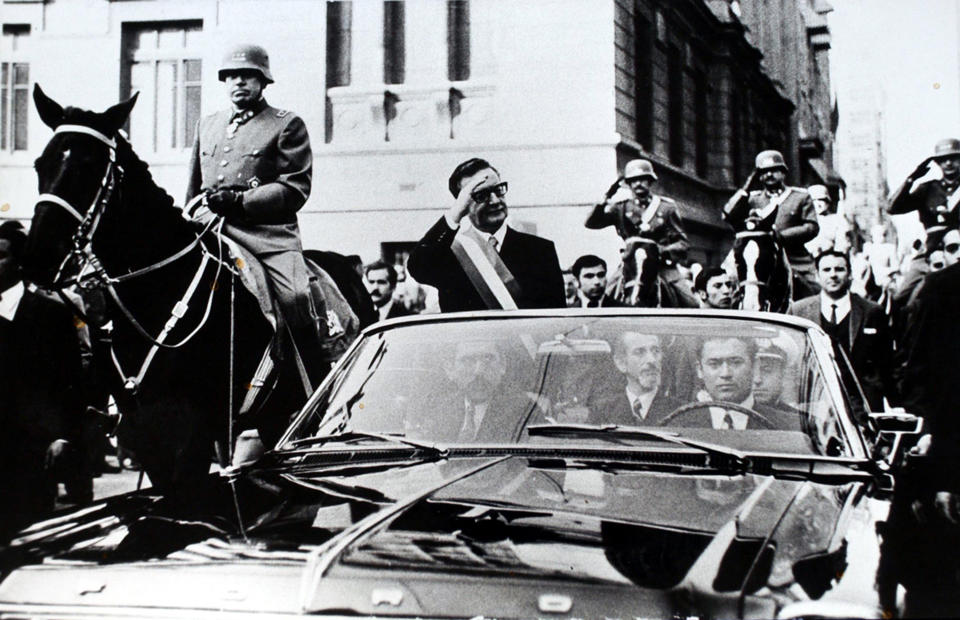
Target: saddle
{"points": [[339, 325]]}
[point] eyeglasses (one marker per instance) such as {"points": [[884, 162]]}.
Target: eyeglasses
{"points": [[952, 248], [484, 194]]}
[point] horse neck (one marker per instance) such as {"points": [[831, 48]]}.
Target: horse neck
{"points": [[140, 224]]}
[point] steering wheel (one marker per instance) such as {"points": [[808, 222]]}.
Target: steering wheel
{"points": [[685, 409]]}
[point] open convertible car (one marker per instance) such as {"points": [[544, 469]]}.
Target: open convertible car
{"points": [[529, 464]]}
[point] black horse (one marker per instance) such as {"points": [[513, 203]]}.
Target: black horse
{"points": [[763, 272], [100, 208], [638, 282]]}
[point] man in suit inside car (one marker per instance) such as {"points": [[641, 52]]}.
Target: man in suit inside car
{"points": [[488, 264], [642, 401], [854, 324]]}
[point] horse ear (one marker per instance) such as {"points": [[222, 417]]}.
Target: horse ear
{"points": [[51, 112], [115, 116]]}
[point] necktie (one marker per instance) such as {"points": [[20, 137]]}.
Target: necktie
{"points": [[727, 420], [637, 408], [833, 314], [469, 431], [238, 118], [492, 241]]}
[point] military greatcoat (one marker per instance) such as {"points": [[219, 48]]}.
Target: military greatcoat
{"points": [[268, 158]]}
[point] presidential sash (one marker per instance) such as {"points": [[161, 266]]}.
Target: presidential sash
{"points": [[486, 271]]}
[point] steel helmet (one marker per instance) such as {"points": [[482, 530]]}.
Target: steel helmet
{"points": [[639, 168], [246, 56], [818, 192], [770, 159], [946, 148]]}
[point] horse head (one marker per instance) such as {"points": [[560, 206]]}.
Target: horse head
{"points": [[76, 173], [761, 270], [641, 266]]}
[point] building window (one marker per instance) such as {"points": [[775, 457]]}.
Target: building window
{"points": [[458, 40], [643, 81], [162, 62], [736, 135], [394, 51], [339, 24], [675, 104], [700, 124], [14, 90]]}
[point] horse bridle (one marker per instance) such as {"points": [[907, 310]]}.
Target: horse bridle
{"points": [[98, 277]]}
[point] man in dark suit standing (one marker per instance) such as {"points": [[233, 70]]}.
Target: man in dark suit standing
{"points": [[642, 401], [488, 264], [591, 274], [41, 392], [381, 283], [854, 324]]}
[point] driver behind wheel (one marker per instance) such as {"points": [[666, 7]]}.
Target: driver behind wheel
{"points": [[726, 367]]}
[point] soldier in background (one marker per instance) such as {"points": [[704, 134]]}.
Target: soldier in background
{"points": [[766, 202], [646, 214]]}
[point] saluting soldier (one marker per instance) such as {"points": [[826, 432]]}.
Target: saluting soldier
{"points": [[254, 164], [648, 215], [934, 200], [787, 211]]}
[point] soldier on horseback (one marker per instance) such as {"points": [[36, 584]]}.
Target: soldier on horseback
{"points": [[648, 216], [787, 212], [253, 163]]}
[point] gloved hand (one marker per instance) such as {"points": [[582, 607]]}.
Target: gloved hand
{"points": [[614, 188], [226, 202]]}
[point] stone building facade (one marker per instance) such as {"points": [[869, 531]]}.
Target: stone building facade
{"points": [[558, 94]]}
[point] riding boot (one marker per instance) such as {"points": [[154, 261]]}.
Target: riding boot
{"points": [[312, 354]]}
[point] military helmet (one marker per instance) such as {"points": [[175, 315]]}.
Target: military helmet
{"points": [[770, 159], [946, 148], [639, 168], [818, 192], [246, 56]]}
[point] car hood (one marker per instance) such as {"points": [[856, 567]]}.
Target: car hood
{"points": [[424, 539]]}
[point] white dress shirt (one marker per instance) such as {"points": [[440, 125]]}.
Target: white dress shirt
{"points": [[843, 306], [646, 399], [10, 301], [717, 414], [499, 234], [479, 410], [384, 310]]}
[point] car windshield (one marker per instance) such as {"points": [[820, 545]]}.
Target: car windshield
{"points": [[742, 383]]}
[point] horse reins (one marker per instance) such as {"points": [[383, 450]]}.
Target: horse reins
{"points": [[83, 250]]}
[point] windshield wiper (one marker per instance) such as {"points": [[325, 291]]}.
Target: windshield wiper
{"points": [[430, 448], [729, 457]]}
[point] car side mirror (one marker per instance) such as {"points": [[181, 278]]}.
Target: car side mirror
{"points": [[892, 428]]}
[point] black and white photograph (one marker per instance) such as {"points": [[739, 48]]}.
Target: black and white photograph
{"points": [[479, 309]]}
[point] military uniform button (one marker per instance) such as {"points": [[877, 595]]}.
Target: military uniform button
{"points": [[226, 149], [223, 162], [219, 177], [256, 151]]}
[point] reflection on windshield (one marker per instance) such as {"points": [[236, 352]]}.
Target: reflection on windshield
{"points": [[487, 381]]}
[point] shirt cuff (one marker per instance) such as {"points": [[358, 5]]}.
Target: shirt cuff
{"points": [[453, 225]]}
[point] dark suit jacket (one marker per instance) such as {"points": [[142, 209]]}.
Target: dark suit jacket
{"points": [[41, 400], [929, 377], [616, 409], [501, 420], [532, 260], [870, 345], [397, 310]]}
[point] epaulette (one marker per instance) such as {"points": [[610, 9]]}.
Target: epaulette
{"points": [[282, 113], [668, 200]]}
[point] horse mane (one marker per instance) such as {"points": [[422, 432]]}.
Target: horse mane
{"points": [[137, 176]]}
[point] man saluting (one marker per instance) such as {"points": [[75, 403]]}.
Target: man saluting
{"points": [[254, 164], [486, 264]]}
